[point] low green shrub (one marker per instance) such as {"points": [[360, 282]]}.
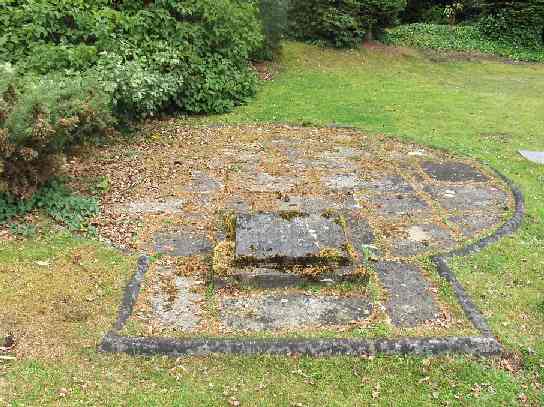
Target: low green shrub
{"points": [[55, 199], [520, 23], [342, 23], [40, 119], [458, 38]]}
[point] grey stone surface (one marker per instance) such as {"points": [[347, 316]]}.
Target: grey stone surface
{"points": [[203, 183], [388, 184], [237, 204], [421, 238], [468, 197], [264, 182], [409, 302], [535, 156], [452, 171], [183, 243], [181, 312], [291, 311], [308, 204], [339, 182], [272, 278], [261, 278], [398, 205], [271, 238], [358, 231], [472, 224], [471, 345], [149, 207]]}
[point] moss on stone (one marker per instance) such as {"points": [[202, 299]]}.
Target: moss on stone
{"points": [[229, 224], [223, 258], [332, 255], [290, 215]]}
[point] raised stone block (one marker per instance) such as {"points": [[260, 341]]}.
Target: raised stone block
{"points": [[302, 239]]}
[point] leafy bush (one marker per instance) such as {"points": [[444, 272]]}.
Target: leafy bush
{"points": [[42, 117], [517, 22], [343, 23], [70, 210], [189, 55], [273, 15], [459, 38]]}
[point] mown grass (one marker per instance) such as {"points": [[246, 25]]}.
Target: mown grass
{"points": [[484, 110]]}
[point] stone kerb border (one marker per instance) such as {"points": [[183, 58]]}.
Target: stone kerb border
{"points": [[484, 345]]}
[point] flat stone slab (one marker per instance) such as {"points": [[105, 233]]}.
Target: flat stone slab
{"points": [[452, 171], [203, 183], [340, 182], [398, 205], [182, 310], [291, 311], [422, 238], [269, 238], [534, 156], [468, 197], [183, 243], [409, 302], [153, 207], [359, 233], [388, 184], [307, 204], [264, 182], [472, 224]]}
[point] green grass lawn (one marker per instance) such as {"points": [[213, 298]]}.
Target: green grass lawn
{"points": [[485, 110]]}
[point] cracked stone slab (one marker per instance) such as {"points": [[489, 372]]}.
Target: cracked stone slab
{"points": [[268, 237], [468, 197], [388, 184], [182, 243], [291, 311], [180, 310], [452, 171], [421, 238], [472, 224], [398, 205], [409, 302]]}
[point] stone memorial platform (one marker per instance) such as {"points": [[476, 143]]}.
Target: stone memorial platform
{"points": [[316, 241]]}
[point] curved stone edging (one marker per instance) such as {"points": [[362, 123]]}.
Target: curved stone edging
{"points": [[512, 225], [485, 345]]}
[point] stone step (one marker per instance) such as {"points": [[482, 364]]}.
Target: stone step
{"points": [[269, 278]]}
